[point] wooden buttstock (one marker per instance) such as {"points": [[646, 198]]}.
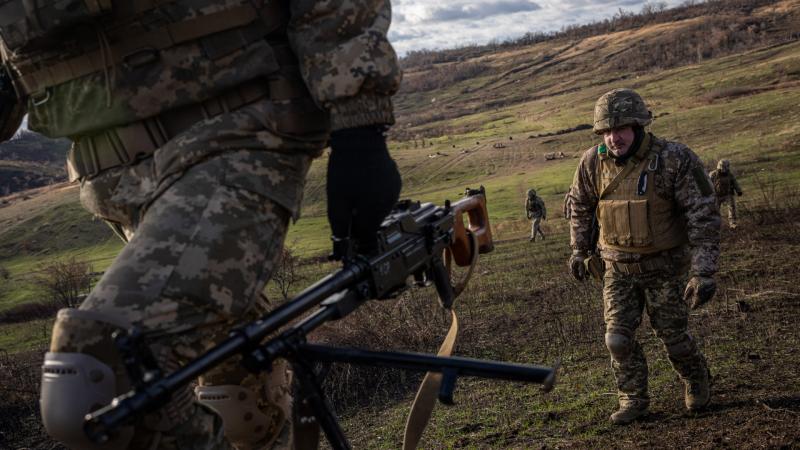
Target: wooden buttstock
{"points": [[474, 207]]}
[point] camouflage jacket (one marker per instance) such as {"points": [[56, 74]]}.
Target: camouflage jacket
{"points": [[679, 177], [724, 184], [534, 207], [112, 63]]}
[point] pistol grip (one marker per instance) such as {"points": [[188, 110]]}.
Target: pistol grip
{"points": [[441, 279]]}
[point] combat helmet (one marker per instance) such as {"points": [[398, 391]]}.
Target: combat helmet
{"points": [[619, 108], [531, 193], [723, 165]]}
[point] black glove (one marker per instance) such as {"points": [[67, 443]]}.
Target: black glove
{"points": [[577, 267], [363, 186]]}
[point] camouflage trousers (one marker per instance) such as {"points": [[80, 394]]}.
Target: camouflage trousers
{"points": [[201, 248], [536, 223], [625, 297], [729, 200]]}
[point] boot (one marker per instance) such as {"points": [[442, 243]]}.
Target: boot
{"points": [[698, 392], [630, 410]]}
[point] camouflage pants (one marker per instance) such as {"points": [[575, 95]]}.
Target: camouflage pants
{"points": [[625, 296], [536, 223], [196, 262], [730, 200]]}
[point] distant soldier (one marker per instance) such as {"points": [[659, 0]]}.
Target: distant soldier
{"points": [[725, 185], [536, 212], [654, 205]]}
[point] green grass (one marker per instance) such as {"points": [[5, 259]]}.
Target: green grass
{"points": [[32, 335]]}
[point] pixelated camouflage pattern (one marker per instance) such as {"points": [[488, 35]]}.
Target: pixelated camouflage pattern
{"points": [[625, 297], [673, 180], [195, 266], [343, 53], [346, 59], [619, 108]]}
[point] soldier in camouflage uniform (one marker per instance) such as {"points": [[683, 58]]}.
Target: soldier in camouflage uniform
{"points": [[194, 124], [658, 218], [725, 185], [536, 212]]}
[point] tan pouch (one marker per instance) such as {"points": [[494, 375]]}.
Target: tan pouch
{"points": [[625, 222], [639, 225]]}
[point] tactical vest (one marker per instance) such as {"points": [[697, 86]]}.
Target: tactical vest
{"points": [[722, 184], [121, 78], [633, 218]]}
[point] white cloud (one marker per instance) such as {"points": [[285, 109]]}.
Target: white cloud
{"points": [[419, 24]]}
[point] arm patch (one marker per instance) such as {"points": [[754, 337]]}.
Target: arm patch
{"points": [[702, 182]]}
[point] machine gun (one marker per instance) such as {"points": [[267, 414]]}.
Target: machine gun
{"points": [[412, 243]]}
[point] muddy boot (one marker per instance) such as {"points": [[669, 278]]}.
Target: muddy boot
{"points": [[698, 392], [532, 239], [630, 410]]}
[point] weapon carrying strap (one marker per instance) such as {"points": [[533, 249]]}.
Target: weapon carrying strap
{"points": [[428, 391]]}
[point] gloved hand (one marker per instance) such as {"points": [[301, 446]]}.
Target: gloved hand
{"points": [[363, 185], [739, 193], [530, 216], [699, 291], [576, 265]]}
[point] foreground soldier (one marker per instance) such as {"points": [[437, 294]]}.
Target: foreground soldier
{"points": [[725, 185], [194, 124], [536, 212], [657, 217]]}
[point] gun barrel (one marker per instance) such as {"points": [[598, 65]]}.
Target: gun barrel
{"points": [[99, 424], [430, 363]]}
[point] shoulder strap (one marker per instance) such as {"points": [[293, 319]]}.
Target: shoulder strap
{"points": [[649, 160]]}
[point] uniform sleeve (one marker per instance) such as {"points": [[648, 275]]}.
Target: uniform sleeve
{"points": [[582, 200], [544, 209], [695, 198], [346, 59]]}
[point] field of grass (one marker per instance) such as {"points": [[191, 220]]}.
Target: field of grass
{"points": [[521, 305]]}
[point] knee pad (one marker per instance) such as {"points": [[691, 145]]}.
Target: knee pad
{"points": [[244, 423], [620, 346], [81, 373]]}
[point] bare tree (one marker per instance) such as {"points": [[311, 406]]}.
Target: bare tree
{"points": [[286, 273], [64, 281]]}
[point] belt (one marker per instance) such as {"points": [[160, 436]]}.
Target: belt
{"points": [[131, 142], [652, 264]]}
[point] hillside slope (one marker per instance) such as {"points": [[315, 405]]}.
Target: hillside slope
{"points": [[497, 123]]}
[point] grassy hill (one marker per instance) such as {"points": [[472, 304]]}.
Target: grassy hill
{"points": [[724, 81], [30, 160]]}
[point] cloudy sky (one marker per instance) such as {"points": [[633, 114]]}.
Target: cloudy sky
{"points": [[436, 24]]}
